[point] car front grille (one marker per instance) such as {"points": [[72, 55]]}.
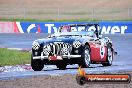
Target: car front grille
{"points": [[59, 48]]}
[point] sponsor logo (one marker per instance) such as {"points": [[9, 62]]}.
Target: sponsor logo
{"points": [[82, 78], [26, 27], [104, 29]]}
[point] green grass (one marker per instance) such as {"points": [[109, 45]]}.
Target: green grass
{"points": [[13, 57], [59, 20]]}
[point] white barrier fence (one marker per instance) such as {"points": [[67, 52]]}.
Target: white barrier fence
{"points": [[61, 13]]}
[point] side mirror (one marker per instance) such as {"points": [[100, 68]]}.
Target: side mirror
{"points": [[97, 39], [100, 36], [49, 36]]}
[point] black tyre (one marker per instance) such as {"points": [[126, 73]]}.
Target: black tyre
{"points": [[37, 65], [61, 66], [81, 80], [85, 60], [109, 58]]}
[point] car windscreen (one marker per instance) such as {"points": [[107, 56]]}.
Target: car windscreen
{"points": [[90, 33]]}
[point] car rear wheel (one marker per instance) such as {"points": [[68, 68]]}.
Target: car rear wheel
{"points": [[109, 57], [85, 60], [37, 65]]}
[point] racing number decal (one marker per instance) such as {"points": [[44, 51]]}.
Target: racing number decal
{"points": [[102, 51]]}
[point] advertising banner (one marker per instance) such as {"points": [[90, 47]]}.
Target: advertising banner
{"points": [[6, 27], [52, 27]]}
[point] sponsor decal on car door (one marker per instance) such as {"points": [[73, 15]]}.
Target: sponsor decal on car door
{"points": [[95, 51], [98, 51]]}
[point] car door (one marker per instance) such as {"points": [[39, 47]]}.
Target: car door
{"points": [[98, 50]]}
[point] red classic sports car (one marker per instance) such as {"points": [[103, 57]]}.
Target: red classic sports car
{"points": [[65, 47]]}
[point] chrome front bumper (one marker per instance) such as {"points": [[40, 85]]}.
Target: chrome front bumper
{"points": [[63, 56]]}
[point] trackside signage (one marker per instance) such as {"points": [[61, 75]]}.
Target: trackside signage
{"points": [[52, 27]]}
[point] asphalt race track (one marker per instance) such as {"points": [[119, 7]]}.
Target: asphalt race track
{"points": [[121, 63]]}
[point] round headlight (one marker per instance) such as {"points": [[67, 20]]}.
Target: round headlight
{"points": [[35, 45], [46, 49], [76, 44]]}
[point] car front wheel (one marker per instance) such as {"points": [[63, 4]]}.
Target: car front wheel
{"points": [[37, 65], [85, 57]]}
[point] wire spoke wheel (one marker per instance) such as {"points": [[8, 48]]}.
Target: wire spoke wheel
{"points": [[85, 60], [87, 57], [110, 56]]}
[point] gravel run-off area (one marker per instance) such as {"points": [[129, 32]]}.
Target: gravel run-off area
{"points": [[56, 81]]}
